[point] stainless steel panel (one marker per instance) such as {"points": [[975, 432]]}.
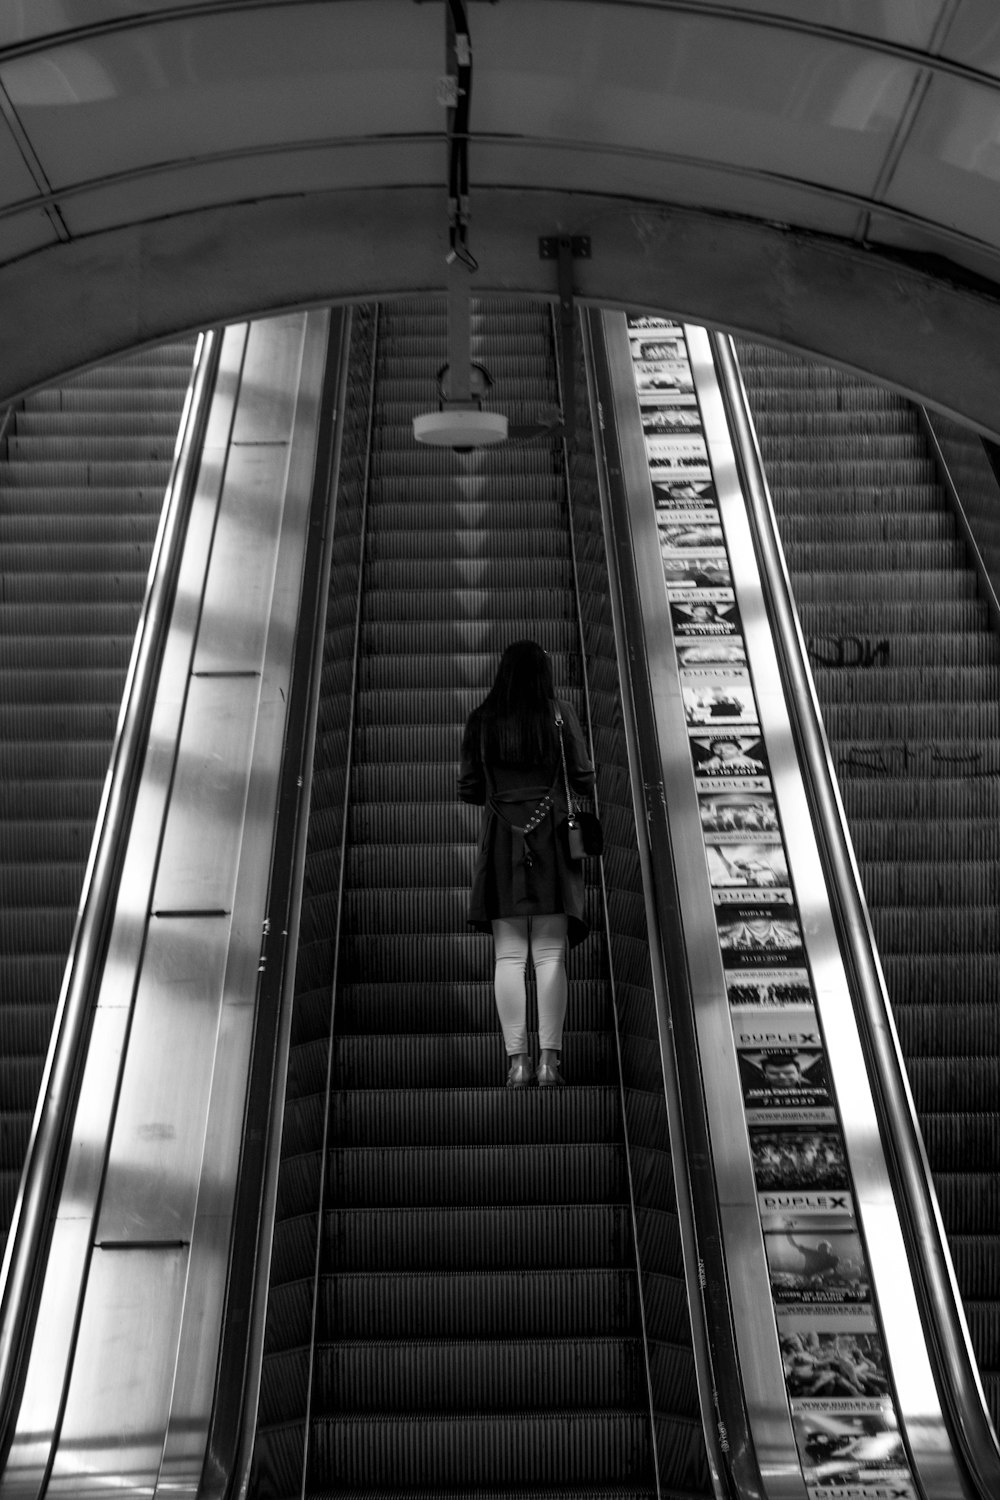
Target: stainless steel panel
{"points": [[23, 1475], [241, 572], [205, 819], [158, 1139], [270, 382], [751, 1308], [112, 1431], [187, 1427]]}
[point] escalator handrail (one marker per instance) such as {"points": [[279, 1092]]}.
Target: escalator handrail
{"points": [[24, 1255], [954, 1363]]}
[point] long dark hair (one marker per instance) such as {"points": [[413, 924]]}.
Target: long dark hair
{"points": [[518, 713]]}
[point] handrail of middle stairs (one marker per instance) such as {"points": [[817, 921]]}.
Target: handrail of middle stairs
{"points": [[24, 1258], [954, 1363]]}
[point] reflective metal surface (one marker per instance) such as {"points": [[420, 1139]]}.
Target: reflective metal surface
{"points": [[142, 1238], [776, 1161]]}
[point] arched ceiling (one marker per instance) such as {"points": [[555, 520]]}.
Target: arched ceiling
{"points": [[821, 172]]}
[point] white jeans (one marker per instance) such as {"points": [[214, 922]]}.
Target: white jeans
{"points": [[546, 938]]}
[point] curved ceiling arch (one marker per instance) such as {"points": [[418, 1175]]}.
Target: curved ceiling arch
{"points": [[823, 176]]}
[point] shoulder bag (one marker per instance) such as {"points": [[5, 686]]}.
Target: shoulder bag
{"points": [[584, 834]]}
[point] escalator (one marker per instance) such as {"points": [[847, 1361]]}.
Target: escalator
{"points": [[81, 491], [454, 1303], [908, 675]]}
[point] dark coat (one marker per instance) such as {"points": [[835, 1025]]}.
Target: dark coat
{"points": [[504, 882]]}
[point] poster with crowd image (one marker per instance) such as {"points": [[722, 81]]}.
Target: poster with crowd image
{"points": [[766, 989], [817, 1261], [826, 1359], [833, 1359]]}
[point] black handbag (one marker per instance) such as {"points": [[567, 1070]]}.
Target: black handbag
{"points": [[584, 834]]}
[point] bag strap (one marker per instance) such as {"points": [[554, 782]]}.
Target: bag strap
{"points": [[570, 804]]}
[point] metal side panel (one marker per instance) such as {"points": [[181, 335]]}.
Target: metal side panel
{"points": [[794, 1165], [162, 1100]]}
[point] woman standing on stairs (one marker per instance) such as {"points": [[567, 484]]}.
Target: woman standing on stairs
{"points": [[525, 889]]}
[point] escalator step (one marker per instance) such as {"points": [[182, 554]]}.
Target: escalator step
{"points": [[938, 882], [370, 1009], [951, 930], [487, 1238], [561, 1448], [925, 1030], [513, 1173], [508, 601], [482, 636], [477, 1116], [460, 670], [442, 1061], [938, 1081], [912, 977], [892, 684], [486, 1304], [408, 1376]]}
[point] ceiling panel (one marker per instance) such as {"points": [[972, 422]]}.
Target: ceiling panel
{"points": [[23, 232], [786, 103], [907, 23], [16, 182], [951, 166], [503, 164], [974, 36], [28, 20], [182, 89], [248, 179]]}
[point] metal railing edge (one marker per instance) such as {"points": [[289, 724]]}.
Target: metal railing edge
{"points": [[732, 1457], [229, 1446], [24, 1252], [954, 1362]]}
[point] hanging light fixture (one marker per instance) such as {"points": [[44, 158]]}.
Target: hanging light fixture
{"points": [[459, 421]]}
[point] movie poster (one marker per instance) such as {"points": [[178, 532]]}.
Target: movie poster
{"points": [[843, 1447], [769, 989], [786, 1083], [685, 534], [699, 653], [683, 493], [754, 935], [716, 696], [730, 761], [833, 1366], [738, 817], [803, 1158], [684, 572], [813, 1266], [713, 612]]}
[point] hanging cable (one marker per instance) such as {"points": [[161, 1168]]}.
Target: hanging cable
{"points": [[458, 96]]}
